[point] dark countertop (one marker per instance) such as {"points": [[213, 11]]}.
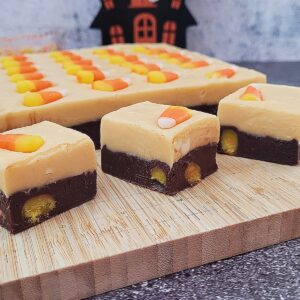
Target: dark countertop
{"points": [[269, 273]]}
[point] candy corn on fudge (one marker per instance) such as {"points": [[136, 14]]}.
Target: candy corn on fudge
{"points": [[77, 88], [262, 121], [45, 169], [160, 147]]}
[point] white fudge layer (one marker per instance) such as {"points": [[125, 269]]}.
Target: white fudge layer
{"points": [[134, 130], [277, 116], [66, 153]]}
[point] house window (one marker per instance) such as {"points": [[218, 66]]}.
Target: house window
{"points": [[116, 34], [141, 4], [169, 34], [145, 28], [109, 4], [176, 4]]}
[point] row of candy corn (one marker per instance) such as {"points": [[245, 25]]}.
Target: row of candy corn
{"points": [[29, 81], [143, 68], [153, 71], [173, 57], [83, 69], [131, 62]]}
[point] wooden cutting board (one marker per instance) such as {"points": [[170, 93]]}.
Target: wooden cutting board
{"points": [[129, 234]]}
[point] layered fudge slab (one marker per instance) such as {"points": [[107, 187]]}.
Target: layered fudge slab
{"points": [[77, 88], [163, 148], [45, 169], [262, 122]]}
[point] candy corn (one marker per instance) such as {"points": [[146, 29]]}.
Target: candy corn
{"points": [[195, 64], [110, 85], [74, 69], [21, 142], [117, 59], [131, 57], [15, 63], [32, 85], [252, 94], [89, 76], [228, 73], [84, 62], [20, 70], [175, 58], [156, 51], [104, 51], [143, 69], [229, 142], [13, 58], [173, 116], [27, 76], [42, 98], [161, 76], [141, 49]]}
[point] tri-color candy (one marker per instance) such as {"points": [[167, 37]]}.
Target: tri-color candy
{"points": [[15, 63], [195, 64], [21, 70], [161, 76], [90, 76], [27, 76], [32, 85], [21, 142], [144, 68], [226, 73], [111, 85], [252, 94], [41, 98], [13, 58], [173, 116]]}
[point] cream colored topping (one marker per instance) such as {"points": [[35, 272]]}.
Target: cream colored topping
{"points": [[65, 153], [277, 116], [134, 130], [191, 89]]}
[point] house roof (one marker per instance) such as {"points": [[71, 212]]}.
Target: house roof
{"points": [[183, 15]]}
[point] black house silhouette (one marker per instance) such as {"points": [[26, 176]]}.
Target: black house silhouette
{"points": [[143, 21]]}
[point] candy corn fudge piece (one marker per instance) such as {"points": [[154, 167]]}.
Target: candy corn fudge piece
{"points": [[160, 147], [45, 169], [261, 121]]}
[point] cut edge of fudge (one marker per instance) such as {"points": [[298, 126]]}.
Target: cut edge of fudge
{"points": [[37, 199], [238, 143], [158, 176], [153, 171], [274, 112]]}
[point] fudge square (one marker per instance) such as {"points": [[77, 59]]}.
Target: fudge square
{"points": [[160, 147], [261, 121], [45, 169]]}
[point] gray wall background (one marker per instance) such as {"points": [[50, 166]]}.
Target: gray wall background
{"points": [[234, 30]]}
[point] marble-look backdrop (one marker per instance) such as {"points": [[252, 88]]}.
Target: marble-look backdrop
{"points": [[230, 29]]}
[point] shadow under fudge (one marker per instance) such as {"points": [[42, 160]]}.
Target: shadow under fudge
{"points": [[92, 129], [264, 148], [138, 171], [67, 193]]}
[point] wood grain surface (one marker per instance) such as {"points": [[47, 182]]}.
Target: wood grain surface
{"points": [[129, 234]]}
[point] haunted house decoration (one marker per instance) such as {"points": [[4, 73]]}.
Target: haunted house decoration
{"points": [[143, 21]]}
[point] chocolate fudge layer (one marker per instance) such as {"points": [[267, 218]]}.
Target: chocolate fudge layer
{"points": [[164, 148], [27, 208], [257, 147], [261, 121], [40, 168], [175, 179]]}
